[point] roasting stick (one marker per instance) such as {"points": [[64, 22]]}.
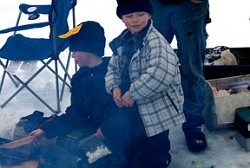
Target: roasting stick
{"points": [[17, 143]]}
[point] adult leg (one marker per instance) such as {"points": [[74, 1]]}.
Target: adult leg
{"points": [[189, 25], [187, 21], [162, 15]]}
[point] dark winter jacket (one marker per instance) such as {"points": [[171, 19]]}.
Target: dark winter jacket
{"points": [[90, 106], [170, 1]]}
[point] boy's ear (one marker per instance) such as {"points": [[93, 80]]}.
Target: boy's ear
{"points": [[150, 16]]}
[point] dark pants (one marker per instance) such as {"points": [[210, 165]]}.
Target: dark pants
{"points": [[153, 152], [78, 143], [116, 132], [144, 151]]}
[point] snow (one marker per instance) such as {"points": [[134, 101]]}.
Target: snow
{"points": [[230, 27]]}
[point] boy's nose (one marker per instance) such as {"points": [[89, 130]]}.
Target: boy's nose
{"points": [[135, 18]]}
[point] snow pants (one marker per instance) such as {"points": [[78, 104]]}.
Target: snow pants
{"points": [[144, 151]]}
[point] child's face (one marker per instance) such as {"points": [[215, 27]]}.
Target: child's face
{"points": [[82, 59], [136, 21]]}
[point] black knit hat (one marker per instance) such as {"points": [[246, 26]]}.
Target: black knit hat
{"points": [[87, 37], [130, 6]]}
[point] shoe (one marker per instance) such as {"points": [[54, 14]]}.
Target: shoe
{"points": [[196, 141]]}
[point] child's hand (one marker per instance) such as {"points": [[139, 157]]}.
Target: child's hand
{"points": [[37, 135], [127, 100], [99, 134], [117, 97], [197, 1]]}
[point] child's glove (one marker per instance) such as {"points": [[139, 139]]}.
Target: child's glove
{"points": [[33, 121]]}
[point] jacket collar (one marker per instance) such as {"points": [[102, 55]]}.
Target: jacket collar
{"points": [[126, 36]]}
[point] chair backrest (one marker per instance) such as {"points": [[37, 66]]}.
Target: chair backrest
{"points": [[58, 17]]}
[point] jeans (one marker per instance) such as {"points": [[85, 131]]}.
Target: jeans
{"points": [[187, 22]]}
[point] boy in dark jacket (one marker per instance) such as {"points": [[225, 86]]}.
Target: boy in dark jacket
{"points": [[92, 110]]}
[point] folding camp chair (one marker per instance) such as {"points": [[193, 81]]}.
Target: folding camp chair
{"points": [[45, 50]]}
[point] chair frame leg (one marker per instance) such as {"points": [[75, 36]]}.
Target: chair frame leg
{"points": [[25, 85], [66, 75], [57, 87], [4, 74]]}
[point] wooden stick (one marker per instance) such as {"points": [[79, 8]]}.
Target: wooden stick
{"points": [[17, 143]]}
